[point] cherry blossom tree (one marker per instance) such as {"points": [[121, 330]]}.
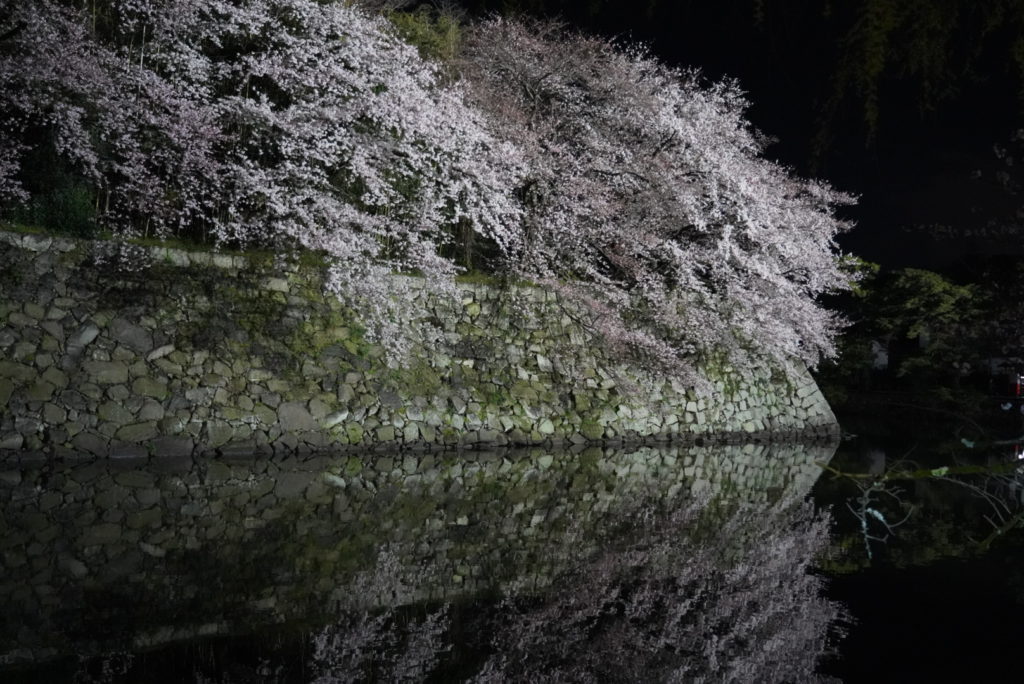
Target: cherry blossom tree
{"points": [[648, 198], [269, 122], [594, 170]]}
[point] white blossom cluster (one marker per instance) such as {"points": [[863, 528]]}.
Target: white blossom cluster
{"points": [[298, 123], [649, 198]]}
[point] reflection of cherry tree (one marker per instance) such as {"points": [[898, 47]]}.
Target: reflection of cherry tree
{"points": [[733, 602], [706, 594], [385, 647]]}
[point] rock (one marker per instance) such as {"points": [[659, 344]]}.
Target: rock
{"points": [[36, 243], [334, 480], [262, 488], [151, 410], [33, 310], [335, 419], [591, 430], [6, 389], [55, 377], [390, 399], [11, 441], [91, 442], [151, 550], [217, 471], [294, 417], [113, 412], [135, 479], [199, 396], [148, 387], [18, 372], [137, 432], [265, 414], [276, 285], [128, 451], [72, 566], [151, 517], [172, 447], [106, 372], [104, 533], [130, 335], [243, 450], [111, 497], [318, 409], [83, 337], [119, 393], [160, 352], [217, 433], [489, 436], [291, 484], [410, 433]]}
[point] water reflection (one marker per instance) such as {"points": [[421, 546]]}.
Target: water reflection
{"points": [[647, 563], [940, 598], [921, 505], [708, 593]]}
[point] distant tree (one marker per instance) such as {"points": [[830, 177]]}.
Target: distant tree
{"points": [[648, 199], [934, 50], [935, 333]]}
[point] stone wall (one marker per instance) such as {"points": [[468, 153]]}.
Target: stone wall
{"points": [[106, 554], [160, 351]]}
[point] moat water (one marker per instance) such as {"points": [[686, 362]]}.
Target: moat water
{"points": [[711, 563]]}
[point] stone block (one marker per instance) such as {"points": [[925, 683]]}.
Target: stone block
{"points": [[90, 442], [160, 352], [138, 432], [114, 412], [150, 387], [106, 372], [39, 391], [55, 377], [150, 517], [151, 410], [104, 533], [293, 416], [128, 451], [19, 373], [172, 447], [6, 390], [83, 337], [292, 484]]}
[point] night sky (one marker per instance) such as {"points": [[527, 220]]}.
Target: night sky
{"points": [[934, 133]]}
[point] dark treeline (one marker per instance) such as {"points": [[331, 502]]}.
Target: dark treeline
{"points": [[902, 102]]}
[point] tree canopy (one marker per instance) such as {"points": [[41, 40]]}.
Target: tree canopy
{"points": [[636, 189]]}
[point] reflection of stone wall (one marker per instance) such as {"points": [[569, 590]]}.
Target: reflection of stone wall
{"points": [[123, 553], [168, 351]]}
